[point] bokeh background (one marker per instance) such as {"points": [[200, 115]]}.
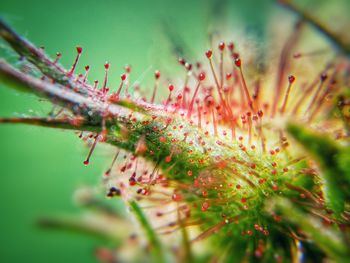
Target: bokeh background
{"points": [[40, 168]]}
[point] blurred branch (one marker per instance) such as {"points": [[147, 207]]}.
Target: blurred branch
{"points": [[337, 40], [101, 226]]}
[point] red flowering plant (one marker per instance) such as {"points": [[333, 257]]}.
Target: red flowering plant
{"points": [[237, 163]]}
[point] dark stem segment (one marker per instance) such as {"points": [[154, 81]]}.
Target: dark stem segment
{"points": [[40, 59], [91, 110], [33, 54], [63, 123], [55, 93]]}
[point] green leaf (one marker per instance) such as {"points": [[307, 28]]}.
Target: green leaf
{"points": [[327, 152], [327, 239]]}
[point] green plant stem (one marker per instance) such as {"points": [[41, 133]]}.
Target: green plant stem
{"points": [[155, 245]]}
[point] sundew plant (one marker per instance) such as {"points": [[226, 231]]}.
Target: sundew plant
{"points": [[238, 152]]}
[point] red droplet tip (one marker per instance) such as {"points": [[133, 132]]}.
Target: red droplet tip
{"points": [[291, 79], [127, 68], [123, 77], [182, 61], [201, 76], [209, 54], [157, 74], [221, 46], [231, 46], [238, 62], [86, 162], [87, 68], [188, 66], [79, 50], [235, 55], [106, 65], [171, 87], [177, 197]]}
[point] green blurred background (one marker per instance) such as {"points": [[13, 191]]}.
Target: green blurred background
{"points": [[40, 168]]}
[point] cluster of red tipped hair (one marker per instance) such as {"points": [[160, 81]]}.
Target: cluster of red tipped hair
{"points": [[226, 107], [228, 101]]}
